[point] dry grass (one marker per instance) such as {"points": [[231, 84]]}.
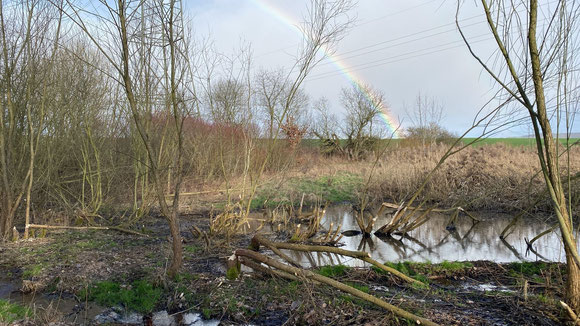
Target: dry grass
{"points": [[494, 177], [488, 177]]}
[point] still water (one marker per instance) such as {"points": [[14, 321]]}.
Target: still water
{"points": [[431, 242]]}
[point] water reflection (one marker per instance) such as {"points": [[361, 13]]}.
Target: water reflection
{"points": [[432, 242]]}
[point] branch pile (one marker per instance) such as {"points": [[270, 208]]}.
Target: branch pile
{"points": [[293, 270]]}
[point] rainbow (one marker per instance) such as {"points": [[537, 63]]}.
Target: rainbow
{"points": [[390, 121]]}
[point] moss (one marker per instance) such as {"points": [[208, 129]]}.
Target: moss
{"points": [[417, 270], [409, 269], [333, 271], [10, 312], [233, 273]]}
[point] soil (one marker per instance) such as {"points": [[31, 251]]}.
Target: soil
{"points": [[64, 263]]}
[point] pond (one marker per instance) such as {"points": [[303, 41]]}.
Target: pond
{"points": [[432, 242]]}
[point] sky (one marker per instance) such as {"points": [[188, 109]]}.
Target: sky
{"points": [[400, 47]]}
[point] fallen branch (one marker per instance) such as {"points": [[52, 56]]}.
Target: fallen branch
{"points": [[257, 240], [63, 227], [272, 272], [205, 192], [364, 256], [336, 284]]}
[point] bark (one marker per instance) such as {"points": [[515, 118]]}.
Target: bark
{"points": [[550, 168], [170, 216]]}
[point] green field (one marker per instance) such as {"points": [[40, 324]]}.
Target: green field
{"points": [[513, 141], [313, 143]]}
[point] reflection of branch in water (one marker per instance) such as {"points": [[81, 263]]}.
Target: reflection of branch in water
{"points": [[417, 242], [530, 248], [513, 250], [455, 235], [534, 239], [469, 231], [398, 244], [395, 244], [311, 260], [364, 241]]}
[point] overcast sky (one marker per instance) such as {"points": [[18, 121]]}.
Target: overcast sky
{"points": [[401, 47]]}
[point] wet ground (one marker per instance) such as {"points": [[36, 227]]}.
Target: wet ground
{"points": [[57, 268]]}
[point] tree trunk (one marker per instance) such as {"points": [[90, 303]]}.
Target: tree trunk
{"points": [[573, 283], [550, 167], [176, 245]]}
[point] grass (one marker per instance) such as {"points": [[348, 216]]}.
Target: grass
{"points": [[362, 288], [32, 271], [141, 296], [418, 270], [452, 266], [337, 188], [191, 249], [527, 268], [11, 312]]}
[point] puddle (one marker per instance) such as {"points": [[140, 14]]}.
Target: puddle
{"points": [[486, 287], [161, 318], [80, 313], [433, 243]]}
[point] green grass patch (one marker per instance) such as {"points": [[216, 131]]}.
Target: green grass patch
{"points": [[206, 312], [526, 142], [527, 268], [360, 287], [185, 277], [408, 268], [341, 187], [191, 249], [416, 269], [452, 266], [11, 312], [333, 271], [91, 244], [140, 296], [32, 271]]}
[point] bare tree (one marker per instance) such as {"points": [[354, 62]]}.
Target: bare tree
{"points": [[123, 38], [228, 101], [28, 37], [538, 72], [425, 118], [362, 127], [325, 23], [325, 123]]}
